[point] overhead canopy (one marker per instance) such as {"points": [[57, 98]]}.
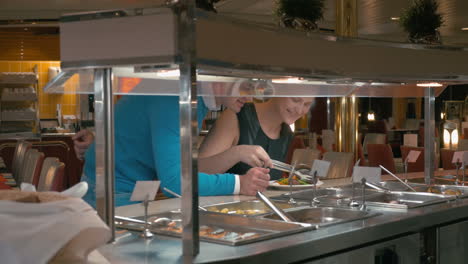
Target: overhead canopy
{"points": [[293, 63]]}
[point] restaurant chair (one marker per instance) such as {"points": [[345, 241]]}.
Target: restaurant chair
{"points": [[52, 174], [410, 140], [462, 145], [296, 143], [312, 140], [447, 156], [381, 154], [32, 167], [373, 138], [305, 156], [417, 166], [341, 164], [328, 139], [412, 124], [18, 158]]}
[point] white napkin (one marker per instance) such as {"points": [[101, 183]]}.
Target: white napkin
{"points": [[78, 190], [64, 231]]}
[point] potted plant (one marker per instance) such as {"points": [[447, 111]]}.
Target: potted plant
{"points": [[421, 21], [299, 14]]}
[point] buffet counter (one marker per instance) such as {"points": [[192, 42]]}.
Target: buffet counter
{"points": [[406, 235]]}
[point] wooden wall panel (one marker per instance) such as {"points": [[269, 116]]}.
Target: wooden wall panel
{"points": [[29, 44]]}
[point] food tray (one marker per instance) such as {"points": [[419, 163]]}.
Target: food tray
{"points": [[246, 208], [406, 200], [221, 228], [456, 190], [327, 196]]}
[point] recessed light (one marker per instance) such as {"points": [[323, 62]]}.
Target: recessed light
{"points": [[287, 80], [432, 84], [395, 18]]}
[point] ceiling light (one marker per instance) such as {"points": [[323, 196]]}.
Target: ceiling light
{"points": [[464, 28], [395, 18], [432, 84], [287, 80], [169, 73]]}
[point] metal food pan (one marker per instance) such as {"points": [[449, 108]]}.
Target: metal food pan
{"points": [[222, 227], [328, 196], [454, 190], [325, 216], [252, 207], [406, 200]]}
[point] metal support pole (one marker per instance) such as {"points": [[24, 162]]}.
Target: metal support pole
{"points": [[188, 129], [104, 123], [429, 127]]}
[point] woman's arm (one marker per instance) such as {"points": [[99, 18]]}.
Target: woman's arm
{"points": [[219, 151]]}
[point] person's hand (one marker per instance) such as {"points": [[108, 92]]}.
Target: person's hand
{"points": [[81, 142], [256, 179], [253, 155]]}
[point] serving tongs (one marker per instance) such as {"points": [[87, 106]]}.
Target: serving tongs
{"points": [[281, 166], [396, 177]]}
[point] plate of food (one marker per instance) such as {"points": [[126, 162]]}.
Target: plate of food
{"points": [[283, 184]]}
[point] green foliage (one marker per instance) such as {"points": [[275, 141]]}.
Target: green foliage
{"points": [[421, 19], [311, 10]]}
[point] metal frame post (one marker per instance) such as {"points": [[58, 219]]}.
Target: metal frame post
{"points": [[429, 127], [188, 128], [104, 124]]}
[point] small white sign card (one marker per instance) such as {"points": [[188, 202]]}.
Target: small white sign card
{"points": [[460, 156], [413, 156], [321, 167], [144, 189], [371, 174]]}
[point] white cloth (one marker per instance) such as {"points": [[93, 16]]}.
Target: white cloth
{"points": [[36, 232], [236, 185]]}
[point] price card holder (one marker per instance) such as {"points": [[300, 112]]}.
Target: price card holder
{"points": [[145, 190], [321, 167], [460, 157], [371, 174], [413, 156]]}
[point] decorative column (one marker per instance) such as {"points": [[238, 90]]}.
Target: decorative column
{"points": [[346, 121]]}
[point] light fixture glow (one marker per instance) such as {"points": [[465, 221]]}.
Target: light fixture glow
{"points": [[395, 18], [431, 84], [287, 80], [442, 115], [464, 28], [168, 73], [371, 116], [454, 137], [446, 138]]}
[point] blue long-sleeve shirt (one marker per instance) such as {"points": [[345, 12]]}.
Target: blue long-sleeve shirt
{"points": [[147, 147]]}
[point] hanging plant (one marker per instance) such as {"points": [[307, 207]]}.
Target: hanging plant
{"points": [[299, 14], [421, 21]]}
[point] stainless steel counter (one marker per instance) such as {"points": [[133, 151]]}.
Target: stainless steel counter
{"points": [[129, 248]]}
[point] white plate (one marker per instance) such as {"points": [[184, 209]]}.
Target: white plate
{"points": [[275, 185]]}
